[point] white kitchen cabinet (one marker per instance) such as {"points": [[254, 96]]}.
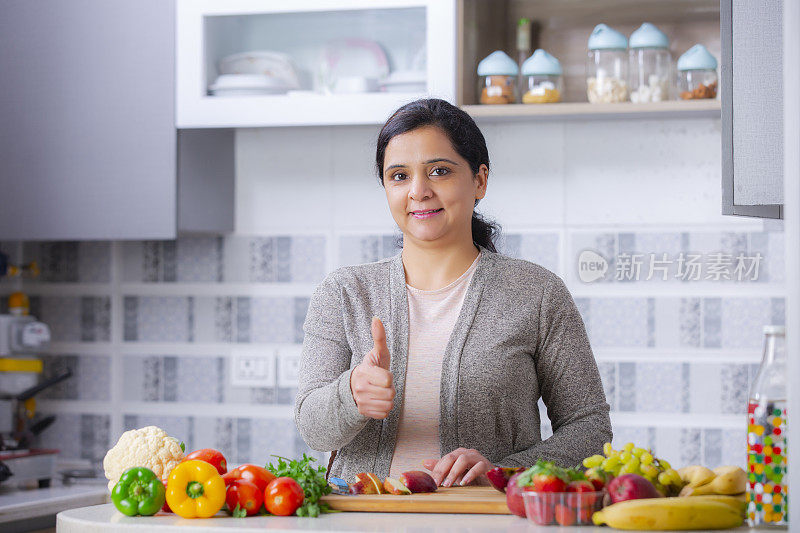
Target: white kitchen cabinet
{"points": [[334, 48], [88, 144]]}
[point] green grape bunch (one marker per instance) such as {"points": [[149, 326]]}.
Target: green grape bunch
{"points": [[641, 461]]}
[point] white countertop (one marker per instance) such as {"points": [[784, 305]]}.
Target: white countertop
{"points": [[17, 504], [107, 518]]}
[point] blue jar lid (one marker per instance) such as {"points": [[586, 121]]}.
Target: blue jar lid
{"points": [[497, 64], [697, 58], [648, 36], [542, 64], [605, 38]]}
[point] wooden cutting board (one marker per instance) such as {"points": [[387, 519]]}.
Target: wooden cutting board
{"points": [[465, 500]]}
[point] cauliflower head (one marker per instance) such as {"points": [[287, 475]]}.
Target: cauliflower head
{"points": [[149, 447]]}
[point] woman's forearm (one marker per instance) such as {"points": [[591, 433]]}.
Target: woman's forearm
{"points": [[580, 437], [327, 416]]}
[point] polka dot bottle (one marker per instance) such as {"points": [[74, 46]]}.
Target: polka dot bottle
{"points": [[767, 496], [767, 423]]}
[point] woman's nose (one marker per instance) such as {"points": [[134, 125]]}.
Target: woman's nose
{"points": [[420, 188]]}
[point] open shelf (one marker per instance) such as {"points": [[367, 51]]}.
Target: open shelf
{"points": [[587, 111]]}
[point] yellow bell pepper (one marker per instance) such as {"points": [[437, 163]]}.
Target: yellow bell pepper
{"points": [[195, 490]]}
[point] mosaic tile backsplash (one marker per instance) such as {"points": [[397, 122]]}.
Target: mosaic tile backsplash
{"points": [[184, 306]]}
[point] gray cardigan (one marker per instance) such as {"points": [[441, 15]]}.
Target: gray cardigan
{"points": [[518, 337]]}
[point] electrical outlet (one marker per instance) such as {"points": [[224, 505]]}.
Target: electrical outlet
{"points": [[253, 368], [289, 365]]}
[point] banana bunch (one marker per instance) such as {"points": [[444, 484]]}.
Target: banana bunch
{"points": [[651, 514], [703, 481]]}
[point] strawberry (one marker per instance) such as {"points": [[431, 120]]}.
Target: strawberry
{"points": [[598, 477], [564, 515], [583, 494], [544, 476]]}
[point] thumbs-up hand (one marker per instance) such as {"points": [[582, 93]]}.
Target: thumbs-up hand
{"points": [[371, 383]]}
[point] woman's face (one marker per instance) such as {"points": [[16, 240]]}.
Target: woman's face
{"points": [[430, 188]]}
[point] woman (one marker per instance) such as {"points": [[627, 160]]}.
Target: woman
{"points": [[472, 337]]}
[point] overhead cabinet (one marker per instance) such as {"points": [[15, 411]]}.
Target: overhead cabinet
{"points": [[88, 144], [752, 107], [251, 63]]}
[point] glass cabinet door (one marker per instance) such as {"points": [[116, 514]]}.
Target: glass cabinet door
{"points": [[255, 63]]}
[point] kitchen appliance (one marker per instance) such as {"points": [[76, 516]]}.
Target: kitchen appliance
{"points": [[21, 335]]}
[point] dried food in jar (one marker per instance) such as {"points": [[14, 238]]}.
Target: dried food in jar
{"points": [[498, 90], [606, 90], [700, 92]]}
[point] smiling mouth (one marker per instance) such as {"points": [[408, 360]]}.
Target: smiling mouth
{"points": [[428, 212]]}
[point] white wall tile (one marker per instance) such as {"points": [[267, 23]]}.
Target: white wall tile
{"points": [[358, 200], [643, 172], [283, 179], [526, 177]]}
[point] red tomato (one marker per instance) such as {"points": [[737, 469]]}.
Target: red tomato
{"points": [[564, 515], [165, 508], [212, 457], [258, 475], [245, 495], [283, 496]]}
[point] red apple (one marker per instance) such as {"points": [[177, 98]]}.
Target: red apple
{"points": [[500, 475], [631, 487], [418, 481], [514, 496]]}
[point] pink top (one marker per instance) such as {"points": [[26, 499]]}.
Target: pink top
{"points": [[431, 318]]}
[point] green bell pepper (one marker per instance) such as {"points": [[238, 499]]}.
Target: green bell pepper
{"points": [[138, 492]]}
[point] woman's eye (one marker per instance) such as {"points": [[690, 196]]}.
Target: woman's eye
{"points": [[398, 176], [440, 171]]}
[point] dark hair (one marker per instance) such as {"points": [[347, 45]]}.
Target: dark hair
{"points": [[463, 133]]}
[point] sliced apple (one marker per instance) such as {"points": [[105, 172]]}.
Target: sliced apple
{"points": [[377, 482], [395, 486], [372, 485], [418, 481], [358, 487]]}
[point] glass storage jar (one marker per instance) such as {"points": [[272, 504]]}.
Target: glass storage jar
{"points": [[650, 65], [697, 74], [542, 78], [497, 79], [607, 66]]}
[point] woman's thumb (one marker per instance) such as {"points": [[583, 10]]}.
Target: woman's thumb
{"points": [[379, 347]]}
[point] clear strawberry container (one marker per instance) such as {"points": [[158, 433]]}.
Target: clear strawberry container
{"points": [[562, 508]]}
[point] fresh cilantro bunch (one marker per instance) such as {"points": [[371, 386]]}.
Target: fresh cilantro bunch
{"points": [[310, 478]]}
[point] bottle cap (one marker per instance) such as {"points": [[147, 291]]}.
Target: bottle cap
{"points": [[697, 58], [605, 38], [648, 36], [497, 64], [541, 63], [774, 330]]}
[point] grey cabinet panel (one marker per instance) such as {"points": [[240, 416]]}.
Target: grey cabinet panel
{"points": [[752, 107], [206, 180], [87, 137]]}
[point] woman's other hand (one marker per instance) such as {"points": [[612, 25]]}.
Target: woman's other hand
{"points": [[371, 382], [461, 466]]}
